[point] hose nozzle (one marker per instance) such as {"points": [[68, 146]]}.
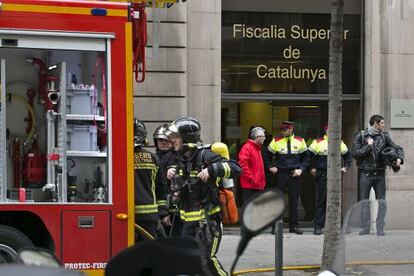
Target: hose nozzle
{"points": [[54, 97]]}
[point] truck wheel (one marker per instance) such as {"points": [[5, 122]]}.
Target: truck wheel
{"points": [[11, 240]]}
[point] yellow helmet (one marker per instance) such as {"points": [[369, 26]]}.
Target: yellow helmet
{"points": [[221, 149]]}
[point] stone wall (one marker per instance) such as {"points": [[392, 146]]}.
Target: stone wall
{"points": [[389, 63], [184, 73]]}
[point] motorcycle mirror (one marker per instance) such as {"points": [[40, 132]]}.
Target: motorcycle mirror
{"points": [[327, 273], [38, 257], [259, 213]]}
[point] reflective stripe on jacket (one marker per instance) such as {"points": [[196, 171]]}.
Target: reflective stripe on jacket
{"points": [[203, 196], [295, 157], [150, 186], [319, 151]]}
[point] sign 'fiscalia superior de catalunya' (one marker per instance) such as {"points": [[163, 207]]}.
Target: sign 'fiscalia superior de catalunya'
{"points": [[290, 53]]}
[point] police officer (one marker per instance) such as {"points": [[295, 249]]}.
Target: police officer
{"points": [[318, 154], [150, 207], [291, 159], [199, 169], [366, 149], [168, 160]]}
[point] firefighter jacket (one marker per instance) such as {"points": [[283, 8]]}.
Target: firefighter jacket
{"points": [[168, 160], [150, 186], [251, 161], [368, 157], [196, 196], [290, 153], [319, 154]]}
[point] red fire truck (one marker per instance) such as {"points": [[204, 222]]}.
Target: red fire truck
{"points": [[66, 113]]}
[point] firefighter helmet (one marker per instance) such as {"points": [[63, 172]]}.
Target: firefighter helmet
{"points": [[140, 133], [160, 133], [187, 128]]}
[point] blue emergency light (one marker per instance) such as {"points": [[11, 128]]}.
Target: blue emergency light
{"points": [[99, 11]]}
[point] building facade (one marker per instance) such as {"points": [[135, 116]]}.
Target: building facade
{"points": [[234, 63]]}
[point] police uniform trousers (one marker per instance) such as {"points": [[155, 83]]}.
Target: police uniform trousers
{"points": [[209, 242], [321, 190], [285, 179], [149, 225], [375, 180]]}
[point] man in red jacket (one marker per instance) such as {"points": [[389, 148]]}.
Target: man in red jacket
{"points": [[252, 179]]}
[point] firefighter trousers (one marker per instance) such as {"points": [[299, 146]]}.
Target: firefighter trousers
{"points": [[209, 238], [176, 224], [149, 225]]}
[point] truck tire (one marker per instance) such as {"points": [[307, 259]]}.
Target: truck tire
{"points": [[11, 240]]}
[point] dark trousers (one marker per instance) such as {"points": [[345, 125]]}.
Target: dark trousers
{"points": [[245, 195], [285, 179], [175, 229], [248, 193], [149, 225], [320, 212], [376, 180], [209, 241]]}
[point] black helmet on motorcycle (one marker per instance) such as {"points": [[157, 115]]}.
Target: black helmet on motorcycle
{"points": [[160, 133], [188, 128], [389, 155], [140, 133]]}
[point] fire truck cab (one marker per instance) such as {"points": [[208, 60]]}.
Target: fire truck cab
{"points": [[66, 113]]}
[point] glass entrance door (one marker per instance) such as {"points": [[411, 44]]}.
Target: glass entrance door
{"points": [[240, 116]]}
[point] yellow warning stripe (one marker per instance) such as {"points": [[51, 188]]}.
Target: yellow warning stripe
{"points": [[129, 133], [58, 9], [94, 272]]}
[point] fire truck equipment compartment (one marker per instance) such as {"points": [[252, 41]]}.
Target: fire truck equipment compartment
{"points": [[82, 102], [82, 137]]}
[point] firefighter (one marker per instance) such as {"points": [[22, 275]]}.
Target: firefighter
{"points": [[150, 185], [168, 160], [318, 155], [290, 160], [198, 170]]}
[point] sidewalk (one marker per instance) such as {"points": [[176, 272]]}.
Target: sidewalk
{"points": [[303, 249], [306, 249]]}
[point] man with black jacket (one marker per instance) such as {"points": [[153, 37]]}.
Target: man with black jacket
{"points": [[367, 148], [198, 170]]}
